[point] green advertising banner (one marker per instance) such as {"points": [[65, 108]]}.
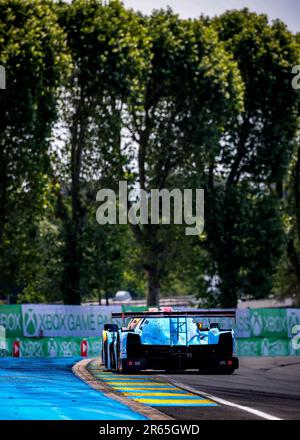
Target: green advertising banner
{"points": [[129, 308], [54, 347], [267, 347], [11, 320], [268, 323]]}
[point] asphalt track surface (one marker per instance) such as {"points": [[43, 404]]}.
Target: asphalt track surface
{"points": [[268, 385], [47, 389]]}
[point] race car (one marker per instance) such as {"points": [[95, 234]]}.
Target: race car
{"points": [[169, 340]]}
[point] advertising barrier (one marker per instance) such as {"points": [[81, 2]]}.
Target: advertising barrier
{"points": [[269, 323], [36, 320], [260, 323], [11, 319], [3, 348], [50, 320], [55, 347], [266, 347], [58, 330], [73, 346], [293, 320]]}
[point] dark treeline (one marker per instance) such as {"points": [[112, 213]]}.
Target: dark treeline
{"points": [[97, 93]]}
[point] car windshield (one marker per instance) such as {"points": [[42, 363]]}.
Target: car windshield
{"points": [[169, 331]]}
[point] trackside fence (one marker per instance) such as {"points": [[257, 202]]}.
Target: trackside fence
{"points": [[41, 330]]}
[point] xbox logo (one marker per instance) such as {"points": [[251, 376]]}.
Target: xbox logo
{"points": [[265, 348], [53, 348], [256, 324], [293, 319], [30, 322]]}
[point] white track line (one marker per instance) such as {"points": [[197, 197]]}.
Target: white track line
{"points": [[256, 412]]}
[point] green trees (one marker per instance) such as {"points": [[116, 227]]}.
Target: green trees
{"points": [[32, 51], [190, 93], [160, 102], [293, 213], [244, 231], [287, 280], [107, 45], [293, 241]]}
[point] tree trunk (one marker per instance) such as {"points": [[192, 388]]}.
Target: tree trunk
{"points": [[296, 189], [74, 227], [295, 261], [229, 297], [228, 271], [153, 286], [292, 250], [71, 272], [3, 193]]}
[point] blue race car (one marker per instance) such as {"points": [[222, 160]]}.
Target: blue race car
{"points": [[169, 341]]}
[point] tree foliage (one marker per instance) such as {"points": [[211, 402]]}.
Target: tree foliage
{"points": [[191, 91], [32, 50], [97, 93], [242, 206]]}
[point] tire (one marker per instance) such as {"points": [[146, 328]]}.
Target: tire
{"points": [[229, 371], [226, 371], [113, 365], [208, 371], [120, 367], [105, 354]]}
